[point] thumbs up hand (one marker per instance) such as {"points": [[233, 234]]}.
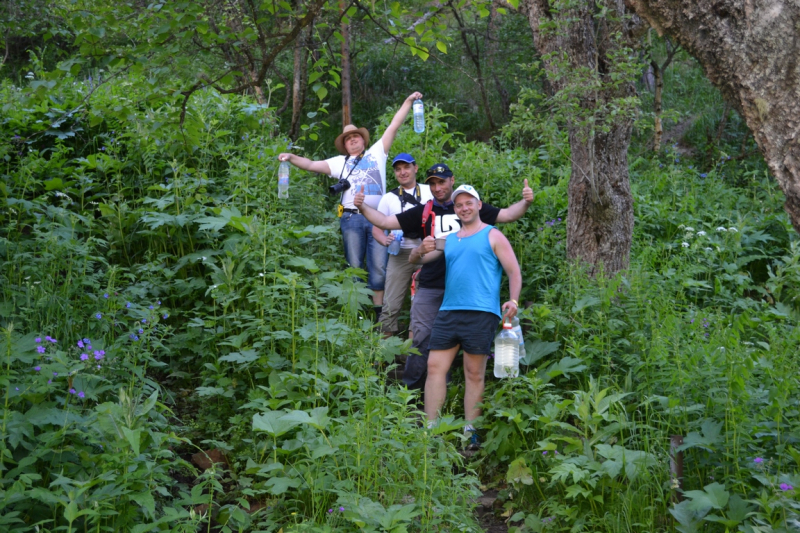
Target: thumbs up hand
{"points": [[527, 193], [358, 199]]}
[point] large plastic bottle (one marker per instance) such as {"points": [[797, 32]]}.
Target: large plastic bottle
{"points": [[419, 116], [394, 246], [517, 329], [506, 353], [283, 180]]}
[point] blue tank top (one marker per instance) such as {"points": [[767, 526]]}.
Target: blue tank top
{"points": [[472, 281]]}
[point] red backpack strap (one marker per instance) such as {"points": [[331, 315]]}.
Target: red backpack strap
{"points": [[426, 214]]}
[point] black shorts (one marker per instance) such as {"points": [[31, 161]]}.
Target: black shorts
{"points": [[473, 330]]}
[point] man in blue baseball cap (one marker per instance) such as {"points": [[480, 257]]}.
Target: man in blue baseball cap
{"points": [[399, 270]]}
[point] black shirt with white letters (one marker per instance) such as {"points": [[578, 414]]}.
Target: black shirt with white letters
{"points": [[432, 274]]}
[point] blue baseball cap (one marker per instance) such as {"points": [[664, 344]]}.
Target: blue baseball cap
{"points": [[404, 158]]}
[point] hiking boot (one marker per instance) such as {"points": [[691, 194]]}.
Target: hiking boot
{"points": [[474, 442]]}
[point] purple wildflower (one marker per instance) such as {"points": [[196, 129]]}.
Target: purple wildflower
{"points": [[341, 509], [80, 344], [81, 395], [51, 339], [758, 460], [128, 305], [72, 391], [55, 374], [87, 341], [151, 307], [38, 340], [98, 356], [144, 321], [786, 486], [37, 368], [105, 295], [98, 316], [703, 175], [40, 349], [165, 316], [158, 302], [84, 356], [330, 511]]}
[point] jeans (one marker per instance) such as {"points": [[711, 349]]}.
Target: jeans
{"points": [[358, 244]]}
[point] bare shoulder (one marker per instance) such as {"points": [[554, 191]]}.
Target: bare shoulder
{"points": [[495, 235]]}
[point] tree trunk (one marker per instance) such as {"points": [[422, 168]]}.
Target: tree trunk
{"points": [[474, 55], [750, 50], [491, 55], [579, 54], [600, 210], [346, 94], [658, 127], [300, 79]]}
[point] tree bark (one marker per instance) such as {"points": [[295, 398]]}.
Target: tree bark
{"points": [[750, 50], [600, 211]]}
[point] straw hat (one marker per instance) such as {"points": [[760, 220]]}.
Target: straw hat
{"points": [[339, 142]]}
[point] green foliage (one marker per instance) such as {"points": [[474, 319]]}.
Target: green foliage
{"points": [[259, 342]]}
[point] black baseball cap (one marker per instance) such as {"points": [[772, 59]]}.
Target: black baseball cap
{"points": [[439, 170]]}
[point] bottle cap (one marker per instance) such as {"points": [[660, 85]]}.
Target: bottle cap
{"points": [[507, 325]]}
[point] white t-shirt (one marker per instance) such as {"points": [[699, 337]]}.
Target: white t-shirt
{"points": [[370, 172], [391, 205]]}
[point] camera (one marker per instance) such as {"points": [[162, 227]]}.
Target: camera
{"points": [[339, 187]]}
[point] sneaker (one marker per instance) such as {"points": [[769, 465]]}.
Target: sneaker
{"points": [[474, 441]]}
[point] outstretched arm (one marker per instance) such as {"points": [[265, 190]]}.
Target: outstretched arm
{"points": [[515, 211], [304, 163], [505, 254], [374, 216], [397, 121]]}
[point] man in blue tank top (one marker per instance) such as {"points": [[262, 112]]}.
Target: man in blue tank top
{"points": [[475, 258]]}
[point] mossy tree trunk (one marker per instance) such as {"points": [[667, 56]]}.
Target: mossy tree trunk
{"points": [[750, 50], [589, 63]]}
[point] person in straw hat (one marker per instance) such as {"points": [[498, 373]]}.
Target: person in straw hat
{"points": [[360, 166]]}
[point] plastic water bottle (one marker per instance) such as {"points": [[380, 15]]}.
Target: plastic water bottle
{"points": [[517, 329], [394, 246], [419, 116], [283, 180], [506, 353]]}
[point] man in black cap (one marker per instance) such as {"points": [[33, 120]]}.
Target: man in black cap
{"points": [[430, 291]]}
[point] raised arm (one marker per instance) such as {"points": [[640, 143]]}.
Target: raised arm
{"points": [[304, 163], [374, 216], [515, 211], [505, 254], [397, 121]]}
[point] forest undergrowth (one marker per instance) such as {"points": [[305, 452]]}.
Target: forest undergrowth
{"points": [[159, 301]]}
